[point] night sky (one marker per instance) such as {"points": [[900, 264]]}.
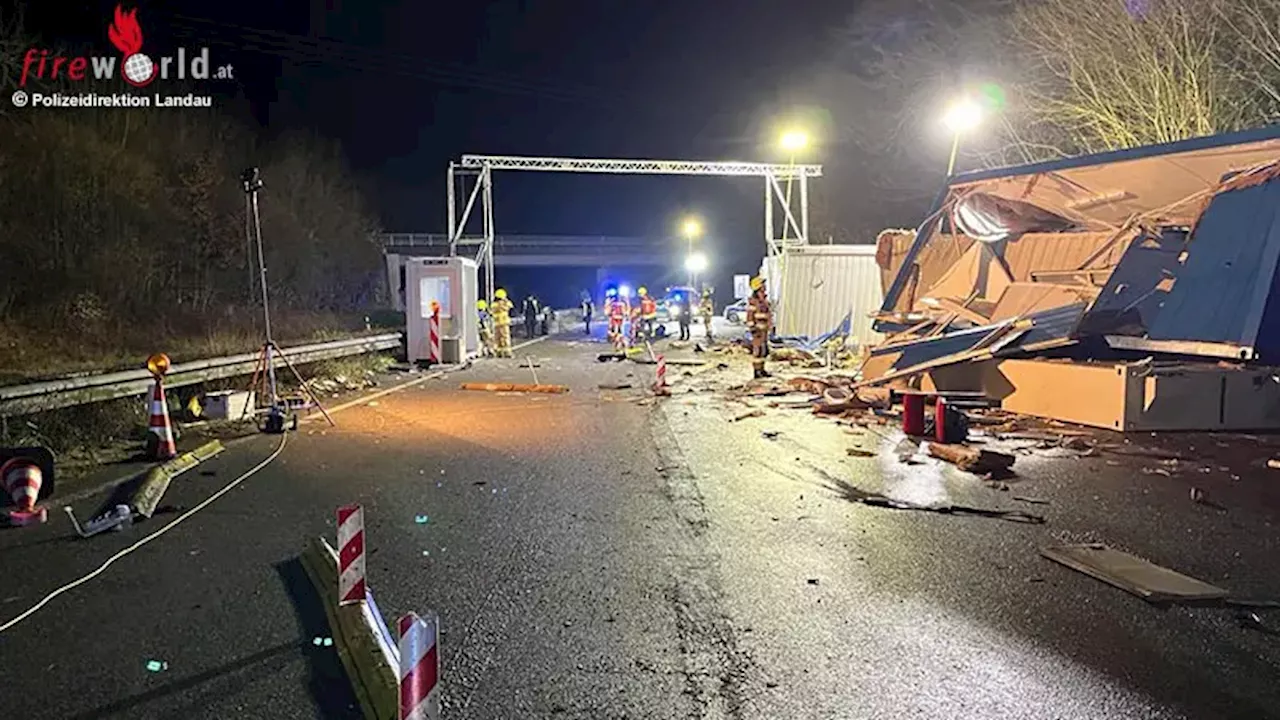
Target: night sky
{"points": [[406, 86]]}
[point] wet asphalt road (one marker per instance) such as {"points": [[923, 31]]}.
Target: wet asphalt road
{"points": [[593, 557]]}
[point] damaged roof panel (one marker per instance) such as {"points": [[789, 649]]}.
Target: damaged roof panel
{"points": [[1227, 282]]}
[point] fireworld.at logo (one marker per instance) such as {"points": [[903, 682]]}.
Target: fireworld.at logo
{"points": [[136, 68]]}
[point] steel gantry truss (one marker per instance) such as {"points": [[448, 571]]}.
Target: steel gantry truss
{"points": [[480, 168]]}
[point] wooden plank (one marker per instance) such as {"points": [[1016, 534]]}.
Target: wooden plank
{"points": [[1151, 582]]}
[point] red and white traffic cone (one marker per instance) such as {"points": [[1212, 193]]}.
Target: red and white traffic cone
{"points": [[160, 444], [22, 480], [660, 387]]}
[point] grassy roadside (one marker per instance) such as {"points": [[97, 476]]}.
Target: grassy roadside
{"points": [[29, 353], [87, 438]]}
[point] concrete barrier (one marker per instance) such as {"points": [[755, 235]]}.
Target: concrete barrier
{"points": [[366, 647]]}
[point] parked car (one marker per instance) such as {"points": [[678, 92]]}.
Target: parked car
{"points": [[736, 312]]}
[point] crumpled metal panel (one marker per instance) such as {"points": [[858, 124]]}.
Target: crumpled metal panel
{"points": [[1224, 288]]}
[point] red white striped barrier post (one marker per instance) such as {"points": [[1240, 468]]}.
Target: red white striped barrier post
{"points": [[419, 668], [22, 479], [660, 387], [160, 444], [351, 583], [433, 334]]}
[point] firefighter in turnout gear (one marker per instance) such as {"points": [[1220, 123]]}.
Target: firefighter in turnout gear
{"points": [[707, 310], [486, 329], [616, 311], [501, 311], [648, 314], [760, 321]]}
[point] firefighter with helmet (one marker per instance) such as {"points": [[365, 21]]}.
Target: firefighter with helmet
{"points": [[486, 328], [616, 312], [648, 313], [707, 310], [760, 321], [501, 311]]}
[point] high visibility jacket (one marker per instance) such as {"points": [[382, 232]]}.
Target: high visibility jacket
{"points": [[617, 310], [759, 314], [648, 308], [501, 310]]}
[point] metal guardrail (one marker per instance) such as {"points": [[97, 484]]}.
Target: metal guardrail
{"points": [[67, 392]]}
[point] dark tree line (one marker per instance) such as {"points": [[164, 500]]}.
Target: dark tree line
{"points": [[114, 218]]}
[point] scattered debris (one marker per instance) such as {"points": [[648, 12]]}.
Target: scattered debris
{"points": [[978, 462], [813, 581], [1031, 500], [322, 641], [858, 452], [854, 494], [614, 386], [748, 414], [156, 666], [770, 434], [421, 519], [1132, 574], [1274, 464]]}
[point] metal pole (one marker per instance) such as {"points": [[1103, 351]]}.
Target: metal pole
{"points": [[804, 209], [955, 147], [768, 217], [791, 176], [452, 199], [266, 308], [486, 178]]}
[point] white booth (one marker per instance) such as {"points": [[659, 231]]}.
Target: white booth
{"points": [[454, 283]]}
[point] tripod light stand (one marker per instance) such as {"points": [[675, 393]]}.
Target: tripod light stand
{"points": [[264, 374]]}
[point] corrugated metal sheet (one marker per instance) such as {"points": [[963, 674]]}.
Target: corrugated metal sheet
{"points": [[1224, 288], [1135, 292], [821, 284]]}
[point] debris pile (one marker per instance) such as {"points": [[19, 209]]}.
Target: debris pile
{"points": [[1091, 290]]}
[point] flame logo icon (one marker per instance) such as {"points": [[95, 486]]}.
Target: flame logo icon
{"points": [[125, 33]]}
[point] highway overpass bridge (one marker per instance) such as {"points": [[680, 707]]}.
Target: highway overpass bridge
{"points": [[544, 250]]}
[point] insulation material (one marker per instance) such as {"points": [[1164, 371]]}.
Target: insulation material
{"points": [[823, 284], [934, 261], [1022, 299], [1045, 253]]}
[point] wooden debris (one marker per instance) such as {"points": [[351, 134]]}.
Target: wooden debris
{"points": [[858, 452], [749, 414], [979, 462]]}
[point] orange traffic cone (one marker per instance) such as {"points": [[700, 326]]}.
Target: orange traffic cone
{"points": [[160, 445], [22, 480]]}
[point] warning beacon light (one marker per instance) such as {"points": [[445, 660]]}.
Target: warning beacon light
{"points": [[624, 291], [611, 291]]}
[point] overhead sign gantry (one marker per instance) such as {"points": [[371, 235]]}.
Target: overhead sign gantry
{"points": [[480, 168]]}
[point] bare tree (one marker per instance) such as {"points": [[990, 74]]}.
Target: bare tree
{"points": [[1110, 74]]}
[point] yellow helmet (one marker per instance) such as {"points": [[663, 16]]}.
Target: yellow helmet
{"points": [[500, 293], [643, 291], [757, 282], [482, 305]]}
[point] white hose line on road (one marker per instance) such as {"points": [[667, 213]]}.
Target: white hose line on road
{"points": [[209, 500], [102, 568]]}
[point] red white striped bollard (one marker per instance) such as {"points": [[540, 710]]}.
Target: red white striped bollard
{"points": [[433, 334], [660, 387], [351, 584], [22, 479], [419, 667], [160, 444]]}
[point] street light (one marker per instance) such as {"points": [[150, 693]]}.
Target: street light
{"points": [[961, 117], [696, 264], [794, 141], [691, 228]]}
